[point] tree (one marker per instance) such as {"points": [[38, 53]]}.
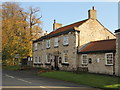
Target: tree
{"points": [[18, 27], [33, 21]]}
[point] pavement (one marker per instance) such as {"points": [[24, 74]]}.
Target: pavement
{"points": [[28, 80]]}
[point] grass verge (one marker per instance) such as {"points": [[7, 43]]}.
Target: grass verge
{"points": [[12, 67], [99, 81]]}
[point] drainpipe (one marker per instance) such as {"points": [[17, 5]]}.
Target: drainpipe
{"points": [[78, 41], [114, 63], [77, 61]]}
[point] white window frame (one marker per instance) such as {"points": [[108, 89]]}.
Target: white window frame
{"points": [[106, 58], [56, 42], [64, 58], [86, 58], [35, 59], [39, 59], [47, 58], [35, 46], [47, 43], [65, 40], [29, 59]]}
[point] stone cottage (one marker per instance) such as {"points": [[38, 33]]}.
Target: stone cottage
{"points": [[117, 52], [98, 57], [59, 48]]}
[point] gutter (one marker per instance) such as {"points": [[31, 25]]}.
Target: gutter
{"points": [[54, 35], [99, 51]]}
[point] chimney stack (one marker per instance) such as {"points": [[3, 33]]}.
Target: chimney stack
{"points": [[92, 13], [56, 25]]}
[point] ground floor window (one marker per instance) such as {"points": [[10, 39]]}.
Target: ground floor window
{"points": [[48, 59], [35, 60], [90, 60], [65, 58], [109, 58], [84, 59]]}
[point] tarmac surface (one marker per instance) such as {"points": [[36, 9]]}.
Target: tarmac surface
{"points": [[28, 80]]}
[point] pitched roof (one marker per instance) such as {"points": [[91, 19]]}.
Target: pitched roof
{"points": [[68, 27], [99, 46], [61, 30]]}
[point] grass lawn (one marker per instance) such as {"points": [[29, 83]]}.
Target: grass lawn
{"points": [[11, 67], [99, 81]]}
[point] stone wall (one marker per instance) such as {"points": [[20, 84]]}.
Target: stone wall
{"points": [[71, 49], [98, 64], [92, 30], [117, 63]]}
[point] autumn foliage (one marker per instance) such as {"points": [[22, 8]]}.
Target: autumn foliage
{"points": [[19, 28]]}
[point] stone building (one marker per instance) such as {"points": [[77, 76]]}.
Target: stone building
{"points": [[98, 57], [117, 66], [59, 48]]}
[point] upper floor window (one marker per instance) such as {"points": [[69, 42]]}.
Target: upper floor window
{"points": [[84, 59], [109, 58], [65, 40], [35, 46], [48, 44], [56, 42]]}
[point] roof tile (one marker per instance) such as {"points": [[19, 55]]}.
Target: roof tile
{"points": [[68, 27], [102, 45]]}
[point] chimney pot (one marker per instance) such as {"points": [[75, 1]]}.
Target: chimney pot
{"points": [[54, 21], [92, 13], [56, 25]]}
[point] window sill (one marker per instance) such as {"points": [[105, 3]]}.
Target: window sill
{"points": [[35, 63], [47, 63], [65, 44], [65, 63], [84, 64], [108, 64], [55, 46], [40, 63]]}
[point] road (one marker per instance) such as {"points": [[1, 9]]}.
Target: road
{"points": [[23, 80]]}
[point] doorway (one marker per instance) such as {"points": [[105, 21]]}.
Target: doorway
{"points": [[56, 63]]}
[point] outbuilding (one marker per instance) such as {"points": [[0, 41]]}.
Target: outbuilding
{"points": [[98, 57]]}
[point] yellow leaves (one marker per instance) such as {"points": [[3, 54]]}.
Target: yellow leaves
{"points": [[16, 30]]}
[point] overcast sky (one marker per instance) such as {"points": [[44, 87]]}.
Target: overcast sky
{"points": [[70, 12]]}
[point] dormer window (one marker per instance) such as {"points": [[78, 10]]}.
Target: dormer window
{"points": [[65, 40], [48, 44], [56, 42]]}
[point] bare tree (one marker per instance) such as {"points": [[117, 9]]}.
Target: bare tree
{"points": [[33, 19]]}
